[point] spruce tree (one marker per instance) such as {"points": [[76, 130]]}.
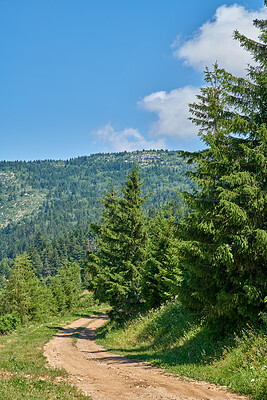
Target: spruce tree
{"points": [[161, 276], [225, 240], [117, 266], [24, 294], [66, 287], [36, 260]]}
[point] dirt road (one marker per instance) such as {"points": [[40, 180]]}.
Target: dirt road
{"points": [[107, 376]]}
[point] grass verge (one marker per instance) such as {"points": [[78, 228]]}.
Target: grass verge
{"points": [[23, 369], [171, 339]]}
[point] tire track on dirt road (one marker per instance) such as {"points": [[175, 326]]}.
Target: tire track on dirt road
{"points": [[107, 376]]}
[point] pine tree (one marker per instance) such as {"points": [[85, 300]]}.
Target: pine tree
{"points": [[117, 266], [6, 265], [161, 276], [224, 251], [24, 294], [36, 260], [66, 287]]}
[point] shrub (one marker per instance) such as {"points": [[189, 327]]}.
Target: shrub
{"points": [[9, 322]]}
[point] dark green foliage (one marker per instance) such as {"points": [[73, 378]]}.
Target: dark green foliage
{"points": [[116, 268], [8, 323], [56, 197], [66, 287], [161, 275], [24, 294], [224, 252], [36, 261], [5, 266], [48, 258]]}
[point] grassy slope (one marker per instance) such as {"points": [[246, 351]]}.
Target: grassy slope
{"points": [[173, 340], [23, 371], [26, 201]]}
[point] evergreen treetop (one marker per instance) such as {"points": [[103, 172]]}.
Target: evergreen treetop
{"points": [[116, 267], [224, 252]]}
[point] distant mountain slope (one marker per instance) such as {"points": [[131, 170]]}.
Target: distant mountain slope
{"points": [[17, 201], [55, 197]]}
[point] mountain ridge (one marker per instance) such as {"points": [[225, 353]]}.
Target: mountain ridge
{"points": [[57, 196]]}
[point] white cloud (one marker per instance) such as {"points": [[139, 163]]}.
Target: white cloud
{"points": [[172, 110], [214, 40], [127, 140]]}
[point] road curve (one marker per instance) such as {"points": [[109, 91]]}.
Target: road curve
{"points": [[107, 376]]}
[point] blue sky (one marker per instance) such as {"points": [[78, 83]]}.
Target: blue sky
{"points": [[84, 76]]}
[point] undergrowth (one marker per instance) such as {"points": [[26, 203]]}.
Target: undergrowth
{"points": [[170, 338]]}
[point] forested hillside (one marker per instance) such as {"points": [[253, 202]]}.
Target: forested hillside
{"points": [[185, 287], [55, 197]]}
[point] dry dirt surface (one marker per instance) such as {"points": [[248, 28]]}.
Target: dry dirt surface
{"points": [[106, 376]]}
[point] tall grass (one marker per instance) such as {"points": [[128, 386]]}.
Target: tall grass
{"points": [[181, 343]]}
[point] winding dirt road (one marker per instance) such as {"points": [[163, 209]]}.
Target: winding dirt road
{"points": [[107, 376]]}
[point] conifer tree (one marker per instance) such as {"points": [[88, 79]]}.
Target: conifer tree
{"points": [[161, 275], [66, 287], [24, 294], [224, 254], [117, 266], [36, 260]]}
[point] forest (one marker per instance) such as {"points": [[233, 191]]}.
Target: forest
{"points": [[168, 223], [213, 259], [170, 226], [59, 199]]}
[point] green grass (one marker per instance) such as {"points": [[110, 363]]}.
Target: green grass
{"points": [[171, 339], [23, 368]]}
